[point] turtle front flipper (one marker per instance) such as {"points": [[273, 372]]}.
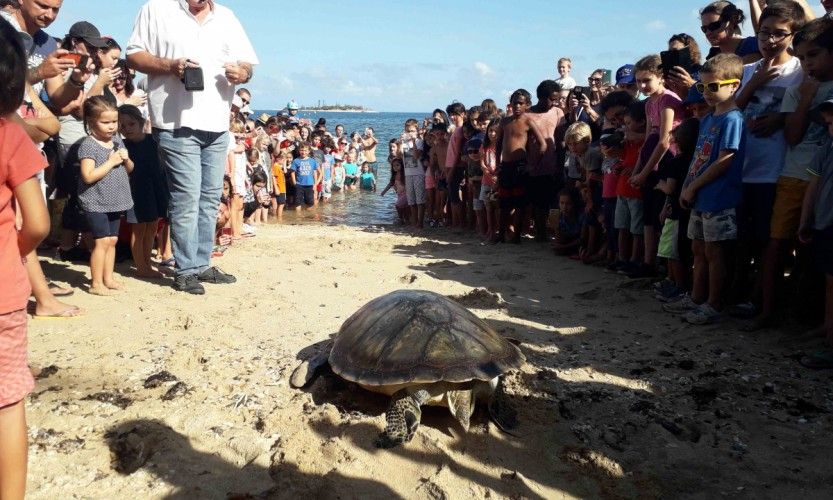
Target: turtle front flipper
{"points": [[306, 371], [402, 418], [501, 410]]}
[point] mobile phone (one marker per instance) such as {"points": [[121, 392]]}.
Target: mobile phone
{"points": [[193, 79], [677, 57], [80, 59], [579, 92]]}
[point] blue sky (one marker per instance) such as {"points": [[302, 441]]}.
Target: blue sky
{"points": [[418, 55]]}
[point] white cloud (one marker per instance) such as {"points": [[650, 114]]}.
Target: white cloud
{"points": [[656, 25], [483, 69]]}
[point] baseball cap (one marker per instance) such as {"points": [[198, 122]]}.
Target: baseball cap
{"points": [[246, 110], [87, 32], [624, 75], [473, 145]]}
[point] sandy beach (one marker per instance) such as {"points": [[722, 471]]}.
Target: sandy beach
{"points": [[158, 394]]}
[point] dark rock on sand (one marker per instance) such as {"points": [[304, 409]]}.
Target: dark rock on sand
{"points": [[113, 398], [177, 390], [158, 379]]}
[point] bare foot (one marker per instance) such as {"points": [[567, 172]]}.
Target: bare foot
{"points": [[113, 285], [55, 307], [102, 291]]}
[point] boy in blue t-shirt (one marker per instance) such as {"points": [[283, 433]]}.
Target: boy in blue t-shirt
{"points": [[713, 187], [305, 174]]}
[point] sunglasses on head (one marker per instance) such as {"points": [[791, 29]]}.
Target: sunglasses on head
{"points": [[714, 86], [715, 26]]}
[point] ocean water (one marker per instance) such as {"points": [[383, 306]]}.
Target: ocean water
{"points": [[357, 208]]}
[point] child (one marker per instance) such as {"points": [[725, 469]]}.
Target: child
{"points": [[103, 188], [367, 182], [222, 235], [339, 176], [568, 232], [488, 164], [20, 163], [817, 228], [713, 189], [410, 151], [612, 147], [147, 186], [436, 161], [256, 194], [397, 181], [236, 170], [627, 217], [565, 65], [351, 172], [279, 169], [327, 146], [306, 174], [813, 45], [664, 111], [673, 243], [474, 179], [430, 176], [257, 199]]}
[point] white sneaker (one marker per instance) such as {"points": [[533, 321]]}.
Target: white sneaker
{"points": [[249, 229], [703, 315], [681, 306]]}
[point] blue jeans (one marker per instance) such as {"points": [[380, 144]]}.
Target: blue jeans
{"points": [[195, 162]]}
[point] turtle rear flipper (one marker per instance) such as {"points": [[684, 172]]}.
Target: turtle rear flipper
{"points": [[306, 371], [501, 410], [402, 418]]}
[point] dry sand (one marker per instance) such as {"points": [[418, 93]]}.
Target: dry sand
{"points": [[617, 400]]}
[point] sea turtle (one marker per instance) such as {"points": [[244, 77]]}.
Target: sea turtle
{"points": [[420, 348]]}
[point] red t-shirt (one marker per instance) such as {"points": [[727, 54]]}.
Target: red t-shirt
{"points": [[629, 158], [19, 161]]}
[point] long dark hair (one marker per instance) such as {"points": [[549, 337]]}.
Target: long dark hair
{"points": [[728, 12], [129, 87], [12, 69]]}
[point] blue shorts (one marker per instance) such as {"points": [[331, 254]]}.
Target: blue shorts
{"points": [[104, 225]]}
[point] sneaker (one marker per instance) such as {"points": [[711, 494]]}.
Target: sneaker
{"points": [[703, 315], [217, 276], [249, 229], [668, 294], [168, 263], [188, 283], [642, 271], [665, 283], [681, 306]]}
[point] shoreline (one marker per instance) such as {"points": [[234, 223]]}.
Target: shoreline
{"points": [[164, 394]]}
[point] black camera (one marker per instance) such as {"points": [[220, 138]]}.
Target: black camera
{"points": [[193, 79], [579, 92]]}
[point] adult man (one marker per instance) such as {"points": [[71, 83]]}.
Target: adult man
{"points": [[191, 126], [369, 143], [543, 182]]}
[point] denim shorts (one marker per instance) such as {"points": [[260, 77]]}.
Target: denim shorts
{"points": [[628, 216], [104, 225], [712, 227]]}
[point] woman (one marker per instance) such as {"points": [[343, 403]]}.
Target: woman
{"points": [[125, 91], [721, 21], [679, 79]]}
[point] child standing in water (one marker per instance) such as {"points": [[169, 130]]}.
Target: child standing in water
{"points": [[397, 181], [103, 188], [20, 163], [147, 186], [367, 182]]}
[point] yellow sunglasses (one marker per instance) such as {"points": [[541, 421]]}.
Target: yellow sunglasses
{"points": [[714, 86]]}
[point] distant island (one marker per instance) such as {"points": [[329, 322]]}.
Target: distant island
{"points": [[337, 108]]}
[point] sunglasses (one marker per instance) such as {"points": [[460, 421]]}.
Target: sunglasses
{"points": [[715, 26], [713, 87], [246, 102], [594, 80]]}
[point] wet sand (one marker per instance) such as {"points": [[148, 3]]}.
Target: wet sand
{"points": [[156, 394]]}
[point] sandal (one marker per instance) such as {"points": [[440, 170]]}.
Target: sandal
{"points": [[821, 360], [168, 262]]}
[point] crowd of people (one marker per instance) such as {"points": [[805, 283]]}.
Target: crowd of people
{"points": [[708, 175]]}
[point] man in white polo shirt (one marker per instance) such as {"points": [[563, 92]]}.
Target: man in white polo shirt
{"points": [[191, 126]]}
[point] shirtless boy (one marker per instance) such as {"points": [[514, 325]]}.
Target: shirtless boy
{"points": [[511, 142], [437, 157]]}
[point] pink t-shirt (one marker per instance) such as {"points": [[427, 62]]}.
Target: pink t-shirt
{"points": [[455, 145], [653, 112], [20, 160]]}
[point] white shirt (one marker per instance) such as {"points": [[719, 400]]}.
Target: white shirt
{"points": [[166, 29], [566, 82]]}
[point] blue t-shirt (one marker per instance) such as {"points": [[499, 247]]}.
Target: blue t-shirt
{"points": [[366, 181], [719, 133], [304, 169], [351, 169]]}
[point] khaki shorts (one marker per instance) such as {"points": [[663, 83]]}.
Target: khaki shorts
{"points": [[712, 227], [786, 214]]}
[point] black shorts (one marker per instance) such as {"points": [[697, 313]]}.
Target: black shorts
{"points": [[104, 225], [823, 246], [512, 183], [455, 186], [249, 208], [304, 195], [542, 191], [280, 198], [73, 217]]}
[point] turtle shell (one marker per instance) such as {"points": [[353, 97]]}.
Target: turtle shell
{"points": [[416, 336]]}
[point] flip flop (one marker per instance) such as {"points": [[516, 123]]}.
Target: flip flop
{"points": [[69, 313], [821, 360], [58, 291]]}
